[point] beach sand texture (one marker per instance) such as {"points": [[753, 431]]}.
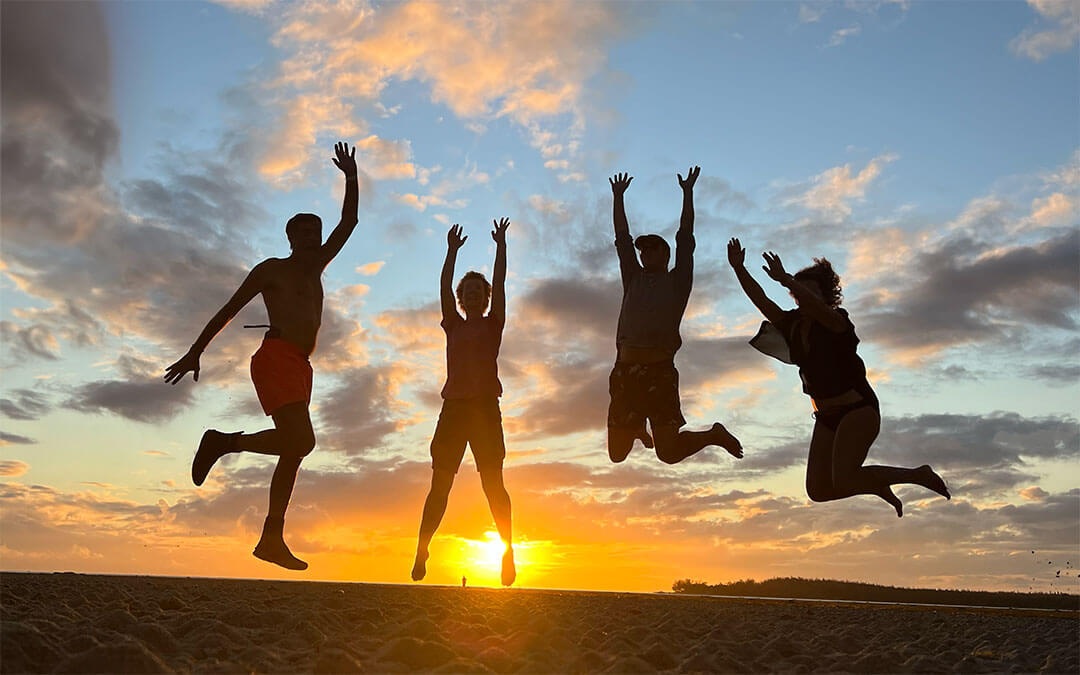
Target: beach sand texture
{"points": [[80, 623]]}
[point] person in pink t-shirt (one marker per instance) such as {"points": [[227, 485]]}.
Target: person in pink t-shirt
{"points": [[470, 412]]}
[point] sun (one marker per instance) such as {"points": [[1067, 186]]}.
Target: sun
{"points": [[490, 549]]}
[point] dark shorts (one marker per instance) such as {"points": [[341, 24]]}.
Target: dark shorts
{"points": [[639, 391], [281, 374], [476, 421]]}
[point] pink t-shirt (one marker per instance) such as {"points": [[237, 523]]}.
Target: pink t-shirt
{"points": [[472, 352]]}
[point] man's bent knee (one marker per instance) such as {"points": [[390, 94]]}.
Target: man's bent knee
{"points": [[819, 493], [620, 443]]}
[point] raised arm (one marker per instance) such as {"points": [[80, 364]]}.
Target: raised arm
{"points": [[454, 241], [624, 244], [737, 257], [684, 238], [346, 161], [189, 362], [810, 303], [498, 277]]}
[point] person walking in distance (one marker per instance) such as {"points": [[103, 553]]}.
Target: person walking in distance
{"points": [[470, 412], [292, 290]]}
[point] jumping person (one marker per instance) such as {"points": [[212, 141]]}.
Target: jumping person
{"points": [[470, 411], [292, 291], [644, 383], [819, 337]]}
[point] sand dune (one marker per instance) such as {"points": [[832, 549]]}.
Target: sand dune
{"points": [[76, 623]]}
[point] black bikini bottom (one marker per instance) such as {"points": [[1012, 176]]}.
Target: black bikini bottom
{"points": [[831, 418]]}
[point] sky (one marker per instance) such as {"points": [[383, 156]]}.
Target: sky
{"points": [[152, 153]]}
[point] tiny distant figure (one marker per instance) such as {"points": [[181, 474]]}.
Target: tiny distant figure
{"points": [[470, 412], [819, 337], [644, 383], [292, 290], [463, 581]]}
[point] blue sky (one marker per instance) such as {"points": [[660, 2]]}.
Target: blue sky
{"points": [[928, 149]]}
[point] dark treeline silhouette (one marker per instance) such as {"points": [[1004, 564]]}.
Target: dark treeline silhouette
{"points": [[829, 589]]}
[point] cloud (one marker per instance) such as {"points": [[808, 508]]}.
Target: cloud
{"points": [[965, 291], [810, 13], [15, 439], [831, 192], [525, 61], [24, 404], [1055, 209], [1034, 493], [370, 269], [145, 401], [363, 409], [840, 35], [13, 467], [1038, 44]]}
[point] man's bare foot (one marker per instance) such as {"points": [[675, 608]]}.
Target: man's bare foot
{"points": [[509, 573], [419, 568], [213, 446], [725, 440], [929, 479], [275, 551]]}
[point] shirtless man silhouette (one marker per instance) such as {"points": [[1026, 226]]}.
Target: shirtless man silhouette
{"points": [[470, 412], [292, 291], [644, 383]]}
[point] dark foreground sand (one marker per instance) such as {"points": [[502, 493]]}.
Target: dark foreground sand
{"points": [[77, 623]]}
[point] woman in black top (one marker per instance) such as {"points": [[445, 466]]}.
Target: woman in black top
{"points": [[820, 339]]}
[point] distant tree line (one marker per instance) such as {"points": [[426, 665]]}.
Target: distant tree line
{"points": [[828, 589]]}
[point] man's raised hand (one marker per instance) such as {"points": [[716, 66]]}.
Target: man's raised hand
{"points": [[736, 254], [619, 182], [499, 233], [691, 178], [775, 268], [188, 363], [344, 159], [454, 240]]}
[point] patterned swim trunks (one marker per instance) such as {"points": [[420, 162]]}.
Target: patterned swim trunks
{"points": [[644, 390]]}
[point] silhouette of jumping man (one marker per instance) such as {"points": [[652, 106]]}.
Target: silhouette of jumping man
{"points": [[292, 291], [644, 382], [819, 337], [470, 411]]}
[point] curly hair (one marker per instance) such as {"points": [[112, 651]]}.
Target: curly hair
{"points": [[822, 274], [468, 276]]}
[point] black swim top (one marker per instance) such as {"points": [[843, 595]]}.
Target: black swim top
{"points": [[828, 363]]}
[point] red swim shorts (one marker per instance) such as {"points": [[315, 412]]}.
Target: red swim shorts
{"points": [[281, 373]]}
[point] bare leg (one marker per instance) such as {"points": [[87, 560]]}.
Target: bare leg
{"points": [[673, 446], [620, 442], [293, 423], [499, 501], [434, 508], [835, 469]]}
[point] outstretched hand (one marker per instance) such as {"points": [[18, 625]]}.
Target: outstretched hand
{"points": [[499, 233], [454, 240], [188, 363], [691, 178], [736, 254], [619, 182], [774, 268], [344, 159]]}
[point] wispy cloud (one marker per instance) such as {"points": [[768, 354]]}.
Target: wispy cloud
{"points": [[1040, 41]]}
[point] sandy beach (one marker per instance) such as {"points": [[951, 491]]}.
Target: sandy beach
{"points": [[82, 623]]}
